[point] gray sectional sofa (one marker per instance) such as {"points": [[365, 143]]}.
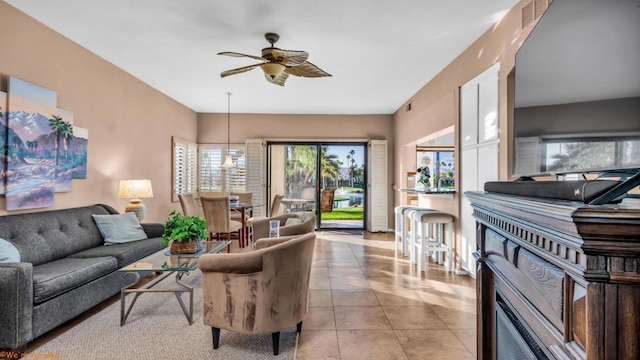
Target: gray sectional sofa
{"points": [[64, 269]]}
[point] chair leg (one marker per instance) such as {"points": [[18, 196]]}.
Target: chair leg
{"points": [[215, 332], [275, 337], [299, 327]]}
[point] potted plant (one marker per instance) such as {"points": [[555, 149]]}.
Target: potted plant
{"points": [[184, 232]]}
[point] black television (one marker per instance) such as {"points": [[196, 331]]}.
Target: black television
{"points": [[577, 90]]}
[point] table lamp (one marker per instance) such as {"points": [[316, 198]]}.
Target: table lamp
{"points": [[134, 190]]}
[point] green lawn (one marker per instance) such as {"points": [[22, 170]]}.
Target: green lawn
{"points": [[350, 213]]}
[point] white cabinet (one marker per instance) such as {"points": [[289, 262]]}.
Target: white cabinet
{"points": [[479, 158]]}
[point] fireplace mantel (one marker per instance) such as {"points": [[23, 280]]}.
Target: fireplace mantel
{"points": [[556, 279]]}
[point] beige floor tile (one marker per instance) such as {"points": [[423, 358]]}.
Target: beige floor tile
{"points": [[468, 339], [319, 318], [349, 283], [399, 297], [456, 318], [354, 298], [394, 283], [369, 345], [342, 261], [320, 298], [413, 317], [432, 345], [361, 318], [319, 282], [318, 345], [346, 271]]}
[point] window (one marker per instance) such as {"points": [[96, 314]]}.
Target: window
{"points": [[590, 153], [212, 157], [184, 167]]}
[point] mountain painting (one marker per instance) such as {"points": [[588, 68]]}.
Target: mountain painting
{"points": [[32, 144], [3, 140], [78, 149]]}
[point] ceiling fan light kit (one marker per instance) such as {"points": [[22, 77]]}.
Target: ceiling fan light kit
{"points": [[273, 69], [277, 64]]}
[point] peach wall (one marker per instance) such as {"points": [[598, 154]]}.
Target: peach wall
{"points": [[212, 128], [130, 124], [436, 105]]}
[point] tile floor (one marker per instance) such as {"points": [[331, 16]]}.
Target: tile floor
{"points": [[366, 302]]}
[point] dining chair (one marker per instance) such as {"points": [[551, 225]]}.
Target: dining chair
{"points": [[217, 212], [189, 205], [326, 200]]}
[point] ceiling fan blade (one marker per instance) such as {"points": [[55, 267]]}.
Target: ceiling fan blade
{"points": [[239, 70], [306, 69], [289, 57], [278, 80], [236, 54]]}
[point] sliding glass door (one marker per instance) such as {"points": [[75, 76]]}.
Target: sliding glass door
{"points": [[326, 178]]}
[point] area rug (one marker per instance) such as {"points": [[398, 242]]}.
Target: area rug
{"points": [[157, 329]]}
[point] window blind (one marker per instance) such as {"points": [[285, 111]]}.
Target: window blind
{"points": [[185, 162]]}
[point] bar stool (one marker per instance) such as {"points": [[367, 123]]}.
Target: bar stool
{"points": [[428, 235], [401, 226]]}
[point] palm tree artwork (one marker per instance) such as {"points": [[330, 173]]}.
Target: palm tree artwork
{"points": [[43, 152]]}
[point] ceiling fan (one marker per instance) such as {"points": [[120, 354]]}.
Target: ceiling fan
{"points": [[278, 64]]}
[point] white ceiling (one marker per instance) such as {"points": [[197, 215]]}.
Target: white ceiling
{"points": [[380, 52]]}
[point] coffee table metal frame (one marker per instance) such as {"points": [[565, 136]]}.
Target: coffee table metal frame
{"points": [[186, 263]]}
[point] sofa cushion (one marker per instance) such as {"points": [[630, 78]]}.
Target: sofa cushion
{"points": [[125, 253], [50, 235], [59, 276], [120, 228], [8, 252]]}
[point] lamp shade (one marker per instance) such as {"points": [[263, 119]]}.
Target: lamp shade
{"points": [[228, 162], [135, 189], [272, 69]]}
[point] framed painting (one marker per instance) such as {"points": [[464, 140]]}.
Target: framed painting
{"points": [[3, 141], [31, 146]]}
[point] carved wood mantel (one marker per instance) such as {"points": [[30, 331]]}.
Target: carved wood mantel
{"points": [[556, 279]]}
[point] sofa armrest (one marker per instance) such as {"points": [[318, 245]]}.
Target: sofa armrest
{"points": [[260, 228], [153, 230], [241, 263], [16, 304], [268, 242]]}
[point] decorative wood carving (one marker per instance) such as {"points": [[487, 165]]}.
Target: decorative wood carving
{"points": [[564, 275]]}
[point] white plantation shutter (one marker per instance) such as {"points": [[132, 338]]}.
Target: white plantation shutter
{"points": [[377, 186], [212, 157], [185, 167], [255, 175], [237, 175]]}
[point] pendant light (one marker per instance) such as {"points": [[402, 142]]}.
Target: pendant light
{"points": [[228, 161]]}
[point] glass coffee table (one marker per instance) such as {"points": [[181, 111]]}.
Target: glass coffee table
{"points": [[164, 264]]}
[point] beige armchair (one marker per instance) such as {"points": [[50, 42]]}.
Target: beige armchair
{"points": [[261, 291], [304, 222]]}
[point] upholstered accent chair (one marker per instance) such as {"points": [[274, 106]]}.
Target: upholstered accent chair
{"points": [[290, 224], [261, 291]]}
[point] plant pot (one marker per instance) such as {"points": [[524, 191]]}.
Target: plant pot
{"points": [[184, 247]]}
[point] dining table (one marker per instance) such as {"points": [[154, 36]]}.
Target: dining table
{"points": [[297, 204], [246, 211]]}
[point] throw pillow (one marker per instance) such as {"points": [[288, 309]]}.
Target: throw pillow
{"points": [[119, 228], [8, 252], [292, 221]]}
